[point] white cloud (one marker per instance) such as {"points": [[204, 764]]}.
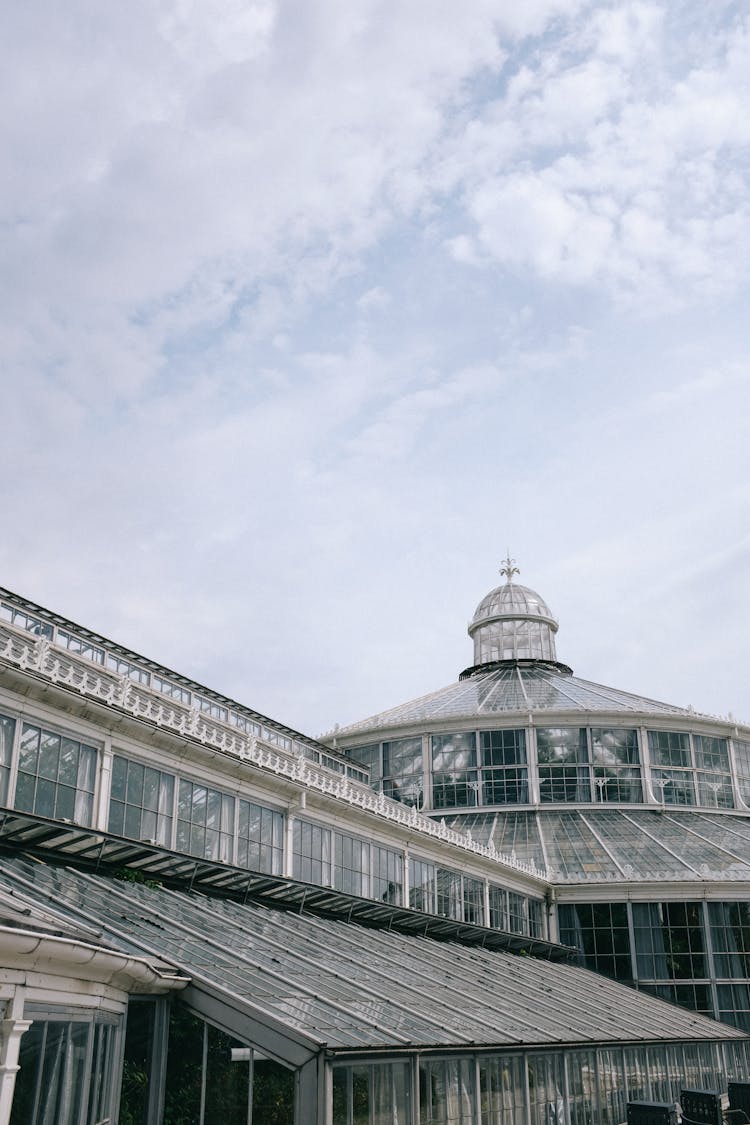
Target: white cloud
{"points": [[256, 408], [615, 167]]}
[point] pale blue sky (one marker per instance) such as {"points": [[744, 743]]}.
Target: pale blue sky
{"points": [[310, 309]]}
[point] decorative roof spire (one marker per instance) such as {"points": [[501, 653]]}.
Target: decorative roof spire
{"points": [[509, 568]]}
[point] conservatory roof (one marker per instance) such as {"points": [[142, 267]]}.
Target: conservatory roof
{"points": [[302, 983], [595, 845], [514, 686]]}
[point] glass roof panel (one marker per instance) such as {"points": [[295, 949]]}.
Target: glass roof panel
{"points": [[734, 828], [574, 853], [638, 854], [340, 985], [515, 689], [596, 844], [514, 834], [517, 833]]}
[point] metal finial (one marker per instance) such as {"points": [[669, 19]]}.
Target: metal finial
{"points": [[509, 568]]}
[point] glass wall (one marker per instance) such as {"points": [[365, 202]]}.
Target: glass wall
{"points": [[56, 776], [742, 767], [150, 804], [67, 1069], [205, 821], [141, 1092], [377, 1093], [690, 769], [348, 863], [260, 838], [696, 954], [574, 1087], [471, 768], [577, 764], [205, 1086], [439, 890]]}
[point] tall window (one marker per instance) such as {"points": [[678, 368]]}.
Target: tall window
{"points": [[56, 776], [669, 940], [712, 773], [311, 861], [518, 913], [563, 764], [205, 822], [730, 938], [351, 869], [422, 886], [617, 773], [67, 1070], [689, 770], [141, 802], [387, 875], [742, 763], [505, 775], [454, 774], [7, 732], [260, 838], [600, 931], [473, 901], [498, 908], [402, 770], [536, 917], [449, 894]]}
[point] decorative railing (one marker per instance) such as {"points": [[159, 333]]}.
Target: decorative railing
{"points": [[60, 666]]}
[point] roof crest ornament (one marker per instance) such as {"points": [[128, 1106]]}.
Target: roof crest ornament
{"points": [[509, 568]]}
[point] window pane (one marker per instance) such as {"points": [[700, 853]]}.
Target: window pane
{"points": [[259, 838], [422, 886], [7, 732], [669, 748], [49, 755], [143, 809], [563, 770], [558, 746], [505, 775]]}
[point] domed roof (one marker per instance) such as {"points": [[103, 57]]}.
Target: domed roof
{"points": [[512, 600], [511, 689], [512, 622]]}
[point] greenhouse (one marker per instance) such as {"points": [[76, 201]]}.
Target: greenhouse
{"points": [[523, 898]]}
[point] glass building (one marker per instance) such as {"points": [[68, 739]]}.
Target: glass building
{"points": [[522, 899], [636, 813]]}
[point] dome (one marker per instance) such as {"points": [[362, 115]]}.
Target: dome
{"points": [[512, 600], [512, 622]]}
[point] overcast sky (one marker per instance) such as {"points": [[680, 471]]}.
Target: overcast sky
{"points": [[312, 309]]}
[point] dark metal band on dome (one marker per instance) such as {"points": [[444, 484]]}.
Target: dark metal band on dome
{"points": [[492, 665]]}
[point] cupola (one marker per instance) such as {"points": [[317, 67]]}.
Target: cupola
{"points": [[512, 622]]}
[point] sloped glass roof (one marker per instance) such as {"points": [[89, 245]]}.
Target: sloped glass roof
{"points": [[338, 985], [514, 688], [604, 845]]}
